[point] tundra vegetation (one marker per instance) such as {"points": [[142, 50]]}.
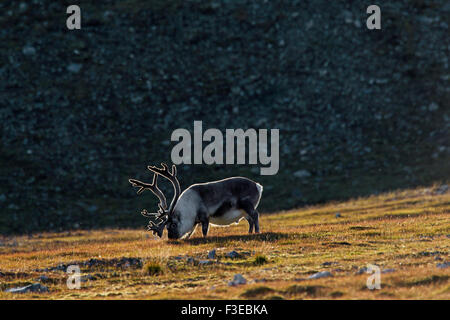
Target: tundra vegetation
{"points": [[406, 233]]}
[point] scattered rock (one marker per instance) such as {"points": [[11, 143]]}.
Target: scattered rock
{"points": [[233, 254], [12, 206], [212, 254], [433, 107], [23, 7], [443, 265], [338, 215], [128, 262], [328, 263], [28, 50], [92, 209], [322, 274], [205, 262], [362, 270], [35, 287], [388, 270], [237, 280], [74, 67], [87, 277], [43, 278], [302, 174], [442, 189], [430, 253], [94, 263]]}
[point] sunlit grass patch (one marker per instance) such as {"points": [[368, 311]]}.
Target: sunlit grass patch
{"points": [[276, 263], [433, 279]]}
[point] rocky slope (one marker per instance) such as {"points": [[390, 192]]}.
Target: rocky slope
{"points": [[359, 111]]}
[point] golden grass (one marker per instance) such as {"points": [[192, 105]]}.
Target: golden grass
{"points": [[408, 231]]}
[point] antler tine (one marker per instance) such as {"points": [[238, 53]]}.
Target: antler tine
{"points": [[158, 220], [153, 187], [172, 177], [156, 228]]}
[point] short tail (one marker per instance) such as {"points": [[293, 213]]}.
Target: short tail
{"points": [[260, 190]]}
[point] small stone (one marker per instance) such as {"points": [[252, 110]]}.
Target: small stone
{"points": [[212, 254], [237, 280], [433, 106], [322, 274], [442, 189], [43, 278], [23, 7], [92, 208], [74, 67], [28, 50], [388, 270], [338, 215], [233, 254], [86, 278], [205, 262], [35, 287], [301, 174], [362, 270], [443, 265]]}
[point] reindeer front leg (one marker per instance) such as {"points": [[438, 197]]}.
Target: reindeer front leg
{"points": [[205, 227], [202, 216]]}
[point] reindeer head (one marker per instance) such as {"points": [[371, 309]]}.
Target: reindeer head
{"points": [[163, 217]]}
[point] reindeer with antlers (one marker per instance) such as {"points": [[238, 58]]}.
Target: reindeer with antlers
{"points": [[220, 203]]}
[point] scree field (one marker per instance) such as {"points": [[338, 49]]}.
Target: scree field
{"points": [[317, 252]]}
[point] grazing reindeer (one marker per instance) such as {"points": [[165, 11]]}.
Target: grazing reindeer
{"points": [[220, 202]]}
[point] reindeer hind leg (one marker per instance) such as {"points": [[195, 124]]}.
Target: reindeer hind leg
{"points": [[253, 220]]}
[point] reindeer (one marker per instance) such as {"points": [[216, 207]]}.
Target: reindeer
{"points": [[220, 203]]}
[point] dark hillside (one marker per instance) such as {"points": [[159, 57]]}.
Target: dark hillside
{"points": [[359, 111]]}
